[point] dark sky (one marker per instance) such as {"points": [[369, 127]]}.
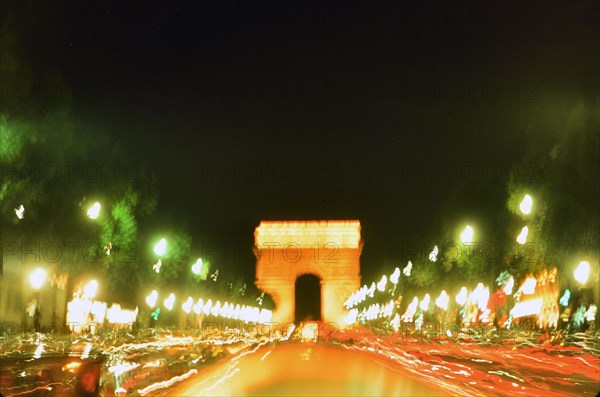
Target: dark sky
{"points": [[390, 114]]}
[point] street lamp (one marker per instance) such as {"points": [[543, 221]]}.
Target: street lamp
{"points": [[94, 210], [161, 247], [20, 211], [467, 235], [442, 300], [522, 237], [90, 289], [461, 297], [433, 254], [170, 301], [582, 273], [526, 204], [197, 267], [37, 279], [151, 299], [187, 305]]}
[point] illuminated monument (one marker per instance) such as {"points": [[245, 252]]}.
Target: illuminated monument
{"points": [[329, 250]]}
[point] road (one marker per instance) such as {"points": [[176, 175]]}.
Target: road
{"points": [[305, 370]]}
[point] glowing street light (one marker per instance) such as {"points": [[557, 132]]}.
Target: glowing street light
{"points": [[582, 273], [151, 299], [522, 237], [198, 306], [528, 286], [94, 210], [20, 211], [467, 235], [90, 289], [187, 305], [424, 305], [161, 247], [461, 298], [37, 278], [170, 301], [394, 276], [433, 254], [508, 288], [442, 300], [526, 204], [407, 269], [197, 267]]}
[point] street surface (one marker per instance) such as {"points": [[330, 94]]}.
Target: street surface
{"points": [[305, 369]]}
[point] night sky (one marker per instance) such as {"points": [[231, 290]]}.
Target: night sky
{"points": [[408, 118]]}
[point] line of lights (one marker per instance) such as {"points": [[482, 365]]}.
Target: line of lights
{"points": [[536, 296], [226, 310], [365, 291]]}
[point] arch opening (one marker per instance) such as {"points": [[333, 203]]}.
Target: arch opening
{"points": [[307, 298]]}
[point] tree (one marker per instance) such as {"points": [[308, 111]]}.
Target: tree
{"points": [[55, 166], [561, 172]]}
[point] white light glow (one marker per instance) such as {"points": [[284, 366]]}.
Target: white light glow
{"points": [[461, 298], [90, 289], [424, 305], [407, 317], [187, 305], [433, 254], [156, 267], [20, 211], [480, 296], [528, 286], [407, 269], [94, 210], [161, 247], [197, 267], [395, 276], [508, 288], [37, 278], [522, 237], [527, 308], [526, 204], [151, 299], [582, 273], [442, 301], [116, 315], [467, 235], [170, 301], [198, 306]]}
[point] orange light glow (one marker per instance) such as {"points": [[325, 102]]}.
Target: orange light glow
{"points": [[539, 299], [343, 234]]}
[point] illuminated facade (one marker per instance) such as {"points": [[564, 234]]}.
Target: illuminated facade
{"points": [[330, 250]]}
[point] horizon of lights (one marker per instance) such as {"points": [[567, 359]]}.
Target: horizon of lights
{"points": [[363, 292], [536, 296]]}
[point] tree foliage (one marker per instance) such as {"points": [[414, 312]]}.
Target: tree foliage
{"points": [[563, 177]]}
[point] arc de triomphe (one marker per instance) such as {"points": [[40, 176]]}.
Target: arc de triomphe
{"points": [[330, 250]]}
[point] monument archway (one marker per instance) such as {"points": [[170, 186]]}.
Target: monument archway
{"points": [[329, 250]]}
